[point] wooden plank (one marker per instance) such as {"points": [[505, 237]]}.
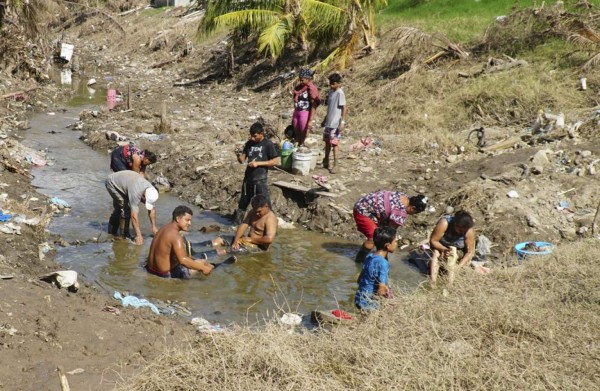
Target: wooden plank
{"points": [[508, 143], [304, 189]]}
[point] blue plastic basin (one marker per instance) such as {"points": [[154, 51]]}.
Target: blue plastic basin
{"points": [[522, 254]]}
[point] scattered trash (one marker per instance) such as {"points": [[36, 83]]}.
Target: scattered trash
{"points": [[512, 194], [135, 302], [63, 279], [65, 77], [110, 308], [563, 205], [10, 229], [152, 137], [6, 276], [22, 219], [76, 371], [281, 223], [43, 249], [162, 183], [62, 204], [5, 216], [66, 51], [7, 329], [583, 83], [114, 136], [91, 82], [290, 319]]}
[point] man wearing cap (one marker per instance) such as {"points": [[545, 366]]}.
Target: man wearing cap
{"points": [[128, 189]]}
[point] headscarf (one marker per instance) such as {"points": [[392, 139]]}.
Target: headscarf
{"points": [[313, 92], [306, 73]]}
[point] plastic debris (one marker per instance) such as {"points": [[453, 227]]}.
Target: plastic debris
{"points": [[290, 319], [10, 229], [60, 203], [512, 194], [135, 302], [22, 219], [63, 279], [5, 216]]}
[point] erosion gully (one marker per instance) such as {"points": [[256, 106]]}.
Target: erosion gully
{"points": [[302, 272]]}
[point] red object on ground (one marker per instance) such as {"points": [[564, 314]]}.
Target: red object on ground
{"points": [[341, 314]]}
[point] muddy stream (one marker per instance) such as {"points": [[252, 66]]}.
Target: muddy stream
{"points": [[302, 272]]}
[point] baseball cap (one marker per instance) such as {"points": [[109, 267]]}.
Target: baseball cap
{"points": [[151, 195]]}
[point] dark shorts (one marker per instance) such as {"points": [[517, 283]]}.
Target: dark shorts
{"points": [[178, 271]]}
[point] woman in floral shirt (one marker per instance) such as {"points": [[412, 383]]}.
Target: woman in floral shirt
{"points": [[383, 208]]}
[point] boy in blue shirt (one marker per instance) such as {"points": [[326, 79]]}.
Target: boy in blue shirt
{"points": [[373, 280]]}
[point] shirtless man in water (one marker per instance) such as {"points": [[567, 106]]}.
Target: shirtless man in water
{"points": [[263, 226], [168, 256]]}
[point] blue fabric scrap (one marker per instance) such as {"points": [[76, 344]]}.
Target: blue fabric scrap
{"points": [[135, 302]]}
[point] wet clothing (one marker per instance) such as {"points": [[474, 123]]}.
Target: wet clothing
{"points": [[178, 271], [247, 248], [375, 271], [121, 158], [336, 100], [255, 179], [126, 189], [382, 208]]}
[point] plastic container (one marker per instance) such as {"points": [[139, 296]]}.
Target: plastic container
{"points": [[66, 51], [315, 157], [523, 254], [286, 158], [301, 163]]}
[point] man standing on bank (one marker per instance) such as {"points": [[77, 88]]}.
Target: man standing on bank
{"points": [[128, 189], [259, 154]]}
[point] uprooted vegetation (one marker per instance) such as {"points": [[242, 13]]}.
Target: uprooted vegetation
{"points": [[530, 328]]}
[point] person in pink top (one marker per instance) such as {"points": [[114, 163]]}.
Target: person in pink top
{"points": [[306, 101], [380, 209]]}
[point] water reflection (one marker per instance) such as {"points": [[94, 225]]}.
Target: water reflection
{"points": [[302, 272]]}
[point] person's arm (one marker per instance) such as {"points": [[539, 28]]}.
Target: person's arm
{"points": [[152, 217], [470, 248], [437, 235], [311, 116], [270, 232], [184, 259], [137, 164], [268, 163], [343, 119], [382, 290], [241, 157], [239, 234], [135, 221]]}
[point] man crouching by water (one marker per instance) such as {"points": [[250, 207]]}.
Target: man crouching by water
{"points": [[263, 227], [168, 256]]}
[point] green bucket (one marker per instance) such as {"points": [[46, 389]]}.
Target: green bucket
{"points": [[286, 158]]}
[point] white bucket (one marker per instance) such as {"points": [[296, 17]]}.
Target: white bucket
{"points": [[301, 163], [315, 157], [66, 51]]}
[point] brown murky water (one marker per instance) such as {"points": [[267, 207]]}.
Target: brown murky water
{"points": [[303, 271]]}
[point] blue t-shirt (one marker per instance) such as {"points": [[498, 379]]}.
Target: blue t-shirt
{"points": [[374, 272]]}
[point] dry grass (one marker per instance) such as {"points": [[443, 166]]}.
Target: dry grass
{"points": [[532, 327]]}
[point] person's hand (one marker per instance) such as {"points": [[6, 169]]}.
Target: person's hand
{"points": [[139, 240], [235, 245], [341, 126], [154, 230], [253, 164]]}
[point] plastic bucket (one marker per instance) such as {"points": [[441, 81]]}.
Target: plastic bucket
{"points": [[286, 158], [301, 163], [523, 254], [315, 156], [66, 51]]}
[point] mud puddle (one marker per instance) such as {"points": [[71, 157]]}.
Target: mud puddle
{"points": [[303, 271]]}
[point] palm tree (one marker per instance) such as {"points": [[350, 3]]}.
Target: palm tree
{"points": [[277, 22]]}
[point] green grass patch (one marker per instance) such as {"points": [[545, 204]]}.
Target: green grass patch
{"points": [[460, 20]]}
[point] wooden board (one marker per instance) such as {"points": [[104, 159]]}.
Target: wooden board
{"points": [[304, 189]]}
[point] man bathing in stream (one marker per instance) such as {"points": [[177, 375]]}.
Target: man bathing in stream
{"points": [[263, 226], [168, 256]]}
